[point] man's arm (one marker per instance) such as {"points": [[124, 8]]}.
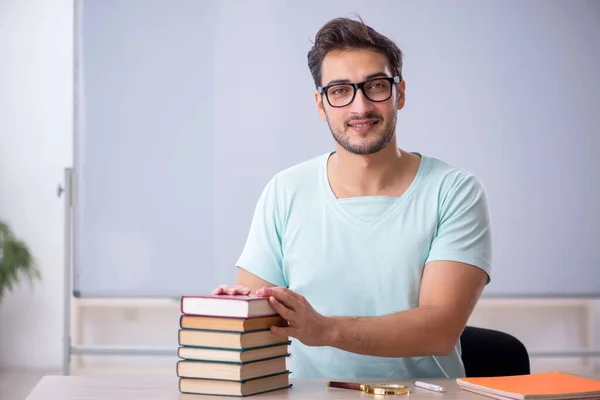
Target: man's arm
{"points": [[449, 292], [245, 283]]}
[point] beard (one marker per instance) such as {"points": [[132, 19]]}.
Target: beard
{"points": [[381, 137]]}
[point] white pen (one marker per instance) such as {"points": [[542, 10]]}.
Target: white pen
{"points": [[429, 386]]}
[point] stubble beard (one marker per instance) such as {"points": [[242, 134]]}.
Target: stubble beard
{"points": [[384, 137]]}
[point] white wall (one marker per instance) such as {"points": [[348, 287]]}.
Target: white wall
{"points": [[35, 146]]}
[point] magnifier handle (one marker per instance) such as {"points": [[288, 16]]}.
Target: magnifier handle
{"points": [[345, 385]]}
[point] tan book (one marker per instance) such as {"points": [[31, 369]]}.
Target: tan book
{"points": [[235, 356], [234, 388], [229, 340], [230, 324], [230, 371]]}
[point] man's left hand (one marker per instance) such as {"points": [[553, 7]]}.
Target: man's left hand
{"points": [[305, 324]]}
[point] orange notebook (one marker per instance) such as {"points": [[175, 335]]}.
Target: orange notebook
{"points": [[547, 385]]}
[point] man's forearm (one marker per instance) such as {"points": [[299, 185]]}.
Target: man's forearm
{"points": [[411, 333]]}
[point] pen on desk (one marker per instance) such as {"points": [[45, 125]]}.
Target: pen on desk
{"points": [[429, 386]]}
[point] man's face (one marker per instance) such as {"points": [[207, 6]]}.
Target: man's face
{"points": [[364, 126]]}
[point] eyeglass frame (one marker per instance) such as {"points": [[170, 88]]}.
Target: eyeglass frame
{"points": [[361, 85]]}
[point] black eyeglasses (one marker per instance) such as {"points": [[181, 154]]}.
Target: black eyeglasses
{"points": [[342, 94]]}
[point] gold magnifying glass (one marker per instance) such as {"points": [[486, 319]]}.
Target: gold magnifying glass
{"points": [[379, 388]]}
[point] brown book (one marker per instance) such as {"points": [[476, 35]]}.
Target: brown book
{"points": [[229, 340], [234, 356], [230, 371], [234, 388], [230, 324]]}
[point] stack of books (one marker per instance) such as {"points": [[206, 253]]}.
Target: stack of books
{"points": [[226, 347]]}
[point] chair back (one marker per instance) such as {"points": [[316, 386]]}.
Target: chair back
{"points": [[487, 352]]}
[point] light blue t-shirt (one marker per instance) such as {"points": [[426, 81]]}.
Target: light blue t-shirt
{"points": [[365, 256]]}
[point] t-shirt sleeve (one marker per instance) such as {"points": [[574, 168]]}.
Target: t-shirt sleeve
{"points": [[262, 253], [464, 228]]}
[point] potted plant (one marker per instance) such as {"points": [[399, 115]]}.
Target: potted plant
{"points": [[16, 261]]}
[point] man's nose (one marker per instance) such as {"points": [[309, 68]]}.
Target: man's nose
{"points": [[361, 103]]}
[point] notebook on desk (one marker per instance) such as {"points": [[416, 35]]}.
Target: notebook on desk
{"points": [[548, 385]]}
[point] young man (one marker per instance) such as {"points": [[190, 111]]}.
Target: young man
{"points": [[374, 255]]}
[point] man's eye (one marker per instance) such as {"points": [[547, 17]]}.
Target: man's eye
{"points": [[339, 91]]}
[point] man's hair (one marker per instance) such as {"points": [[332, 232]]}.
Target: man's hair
{"points": [[348, 34]]}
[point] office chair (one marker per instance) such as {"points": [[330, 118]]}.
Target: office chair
{"points": [[487, 352]]}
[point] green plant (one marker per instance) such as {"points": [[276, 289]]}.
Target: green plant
{"points": [[16, 261]]}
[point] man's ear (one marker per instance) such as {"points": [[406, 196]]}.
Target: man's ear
{"points": [[320, 109], [401, 94]]}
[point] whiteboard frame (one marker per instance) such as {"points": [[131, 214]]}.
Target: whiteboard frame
{"points": [[70, 247]]}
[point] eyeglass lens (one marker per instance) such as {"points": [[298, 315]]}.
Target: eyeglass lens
{"points": [[374, 90]]}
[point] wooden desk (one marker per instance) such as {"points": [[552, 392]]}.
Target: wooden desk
{"points": [[58, 387]]}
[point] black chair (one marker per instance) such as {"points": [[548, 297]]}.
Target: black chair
{"points": [[487, 352]]}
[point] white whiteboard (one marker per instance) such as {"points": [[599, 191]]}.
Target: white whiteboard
{"points": [[185, 109]]}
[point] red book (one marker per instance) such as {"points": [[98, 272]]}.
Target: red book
{"points": [[227, 306]]}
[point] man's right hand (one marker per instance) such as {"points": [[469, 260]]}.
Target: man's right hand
{"points": [[231, 290]]}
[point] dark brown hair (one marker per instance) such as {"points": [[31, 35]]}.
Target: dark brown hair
{"points": [[346, 34]]}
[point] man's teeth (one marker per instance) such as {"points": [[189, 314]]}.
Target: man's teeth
{"points": [[363, 125]]}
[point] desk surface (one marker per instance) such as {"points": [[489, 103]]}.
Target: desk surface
{"points": [[57, 387]]}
